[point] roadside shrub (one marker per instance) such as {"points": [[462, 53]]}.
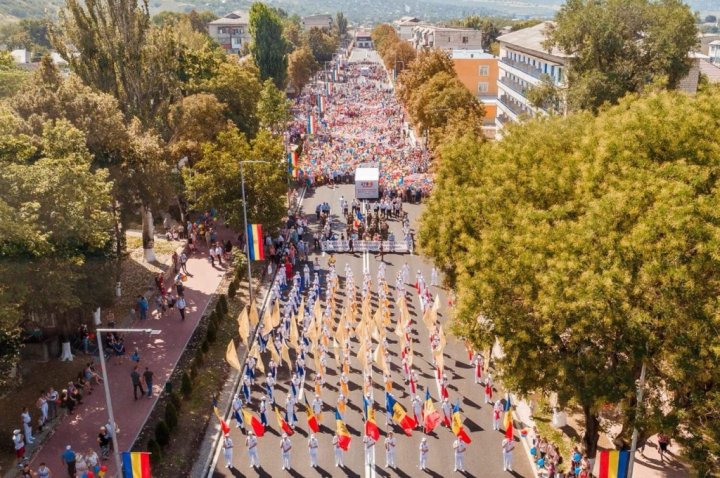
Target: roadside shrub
{"points": [[186, 385], [155, 450], [171, 416], [232, 288], [162, 433], [212, 332], [205, 346], [223, 304], [175, 400]]}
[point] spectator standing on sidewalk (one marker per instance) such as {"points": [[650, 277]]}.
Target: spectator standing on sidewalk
{"points": [[43, 471], [27, 425], [135, 377], [104, 443], [52, 401], [142, 307], [68, 458], [148, 377], [19, 444], [180, 304], [183, 262]]}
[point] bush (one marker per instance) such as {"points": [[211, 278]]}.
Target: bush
{"points": [[199, 358], [232, 288], [162, 433], [171, 416], [186, 385], [205, 346], [155, 450], [223, 304], [212, 332], [175, 400]]}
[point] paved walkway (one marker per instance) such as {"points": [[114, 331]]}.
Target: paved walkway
{"points": [[158, 352]]}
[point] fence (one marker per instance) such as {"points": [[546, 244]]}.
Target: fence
{"points": [[397, 247]]}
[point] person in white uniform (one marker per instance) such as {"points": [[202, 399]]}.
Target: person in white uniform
{"points": [[251, 443], [285, 447], [228, 451], [459, 447], [424, 449], [507, 448], [369, 450], [338, 451], [390, 450], [313, 449]]}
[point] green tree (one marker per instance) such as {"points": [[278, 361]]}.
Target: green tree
{"points": [[273, 108], [12, 79], [323, 44], [586, 247], [302, 66], [622, 46], [198, 119], [426, 65], [383, 36], [398, 56], [293, 33], [268, 47], [215, 180], [341, 23]]}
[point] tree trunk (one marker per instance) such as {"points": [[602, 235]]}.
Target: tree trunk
{"points": [[119, 238], [148, 234], [592, 432]]}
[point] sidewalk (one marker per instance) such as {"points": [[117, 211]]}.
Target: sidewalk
{"points": [[158, 352]]}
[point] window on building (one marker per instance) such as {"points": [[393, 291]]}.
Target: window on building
{"points": [[222, 31], [465, 39], [482, 87], [484, 70]]}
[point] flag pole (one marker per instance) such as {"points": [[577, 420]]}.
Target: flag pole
{"points": [[633, 446], [247, 236]]}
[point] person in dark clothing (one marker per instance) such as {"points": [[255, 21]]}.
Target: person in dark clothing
{"points": [[135, 377]]}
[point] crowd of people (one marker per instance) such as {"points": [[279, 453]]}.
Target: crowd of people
{"points": [[361, 122]]}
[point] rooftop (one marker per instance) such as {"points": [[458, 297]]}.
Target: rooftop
{"points": [[531, 39], [711, 71], [319, 16], [238, 17], [471, 55]]}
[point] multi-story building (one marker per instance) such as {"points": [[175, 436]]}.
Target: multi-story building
{"points": [[404, 27], [478, 71], [323, 22], [714, 52], [363, 39], [525, 63], [231, 31], [431, 36]]}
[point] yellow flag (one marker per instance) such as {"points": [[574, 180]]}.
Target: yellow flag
{"points": [[273, 352], [232, 357], [275, 315], [285, 355], [317, 312], [243, 325], [378, 319], [301, 313], [294, 335], [379, 356], [254, 318], [441, 336], [336, 351], [439, 359], [362, 354], [255, 352]]}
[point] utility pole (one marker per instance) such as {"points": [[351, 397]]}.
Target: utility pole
{"points": [[633, 446]]}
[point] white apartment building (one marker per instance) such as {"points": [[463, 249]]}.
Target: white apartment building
{"points": [[323, 22], [404, 27], [431, 36], [714, 52], [231, 31], [524, 63]]}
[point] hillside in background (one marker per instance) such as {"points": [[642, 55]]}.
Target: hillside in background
{"points": [[358, 11]]}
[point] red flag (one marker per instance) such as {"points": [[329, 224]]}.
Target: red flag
{"points": [[431, 417], [282, 423], [254, 423], [371, 428], [311, 419], [508, 425], [223, 426]]}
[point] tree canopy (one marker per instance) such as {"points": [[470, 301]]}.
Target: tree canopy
{"points": [[269, 47], [622, 46], [587, 246], [302, 66]]}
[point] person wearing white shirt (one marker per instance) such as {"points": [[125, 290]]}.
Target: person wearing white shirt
{"points": [[369, 450], [313, 449], [251, 443], [507, 449], [285, 447], [459, 447], [228, 451], [424, 449], [338, 451], [390, 450]]}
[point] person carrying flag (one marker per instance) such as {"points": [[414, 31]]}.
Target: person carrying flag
{"points": [[390, 443], [263, 412], [417, 407], [497, 410], [507, 446], [488, 390], [237, 411], [313, 450], [285, 447], [447, 412], [369, 450], [338, 451], [424, 450], [251, 444], [317, 405], [228, 451], [459, 447]]}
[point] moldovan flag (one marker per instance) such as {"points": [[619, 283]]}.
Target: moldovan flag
{"points": [[255, 242], [311, 124], [311, 418], [256, 425], [321, 103], [400, 416], [614, 464], [371, 428], [457, 427], [136, 464], [342, 432], [232, 357], [282, 423], [508, 424], [431, 417], [223, 426], [292, 159]]}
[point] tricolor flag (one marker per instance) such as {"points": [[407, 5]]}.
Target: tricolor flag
{"points": [[400, 416], [321, 104], [255, 242], [311, 124], [223, 426], [342, 432], [431, 417], [136, 464], [457, 427], [371, 428], [311, 418], [508, 423], [252, 421], [282, 423], [614, 464], [292, 158]]}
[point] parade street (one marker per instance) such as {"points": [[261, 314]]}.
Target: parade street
{"points": [[483, 457]]}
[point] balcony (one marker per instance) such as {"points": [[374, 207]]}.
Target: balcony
{"points": [[516, 86], [514, 106], [524, 67], [504, 119]]}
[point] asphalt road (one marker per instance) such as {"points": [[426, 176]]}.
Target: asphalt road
{"points": [[483, 457]]}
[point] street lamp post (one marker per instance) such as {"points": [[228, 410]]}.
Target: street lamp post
{"points": [[99, 334]]}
